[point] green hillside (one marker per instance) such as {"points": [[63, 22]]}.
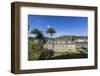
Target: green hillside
{"points": [[70, 37]]}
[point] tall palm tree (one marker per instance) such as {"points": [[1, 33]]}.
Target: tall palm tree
{"points": [[51, 31]]}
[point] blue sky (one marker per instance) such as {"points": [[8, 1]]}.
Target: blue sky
{"points": [[64, 25]]}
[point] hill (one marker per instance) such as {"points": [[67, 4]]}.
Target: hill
{"points": [[70, 37]]}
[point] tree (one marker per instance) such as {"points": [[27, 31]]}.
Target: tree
{"points": [[38, 35], [73, 38], [51, 31]]}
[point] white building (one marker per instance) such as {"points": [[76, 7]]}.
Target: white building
{"points": [[63, 45]]}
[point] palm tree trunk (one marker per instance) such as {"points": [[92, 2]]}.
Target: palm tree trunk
{"points": [[52, 43]]}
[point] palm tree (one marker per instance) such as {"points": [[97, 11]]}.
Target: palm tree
{"points": [[39, 35], [51, 31]]}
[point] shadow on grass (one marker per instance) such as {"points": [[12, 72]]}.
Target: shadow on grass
{"points": [[71, 56], [46, 55], [49, 55]]}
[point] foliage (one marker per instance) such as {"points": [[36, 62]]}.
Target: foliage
{"points": [[51, 31], [34, 50], [39, 35]]}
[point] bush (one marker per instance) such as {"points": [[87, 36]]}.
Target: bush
{"points": [[34, 50]]}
